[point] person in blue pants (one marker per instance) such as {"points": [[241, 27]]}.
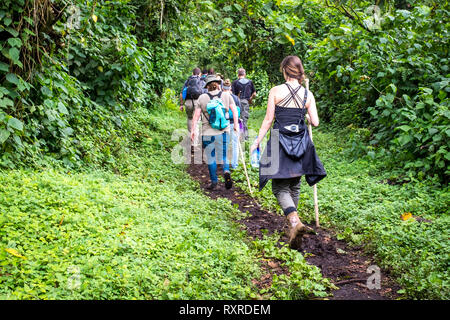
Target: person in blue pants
{"points": [[234, 137], [215, 141]]}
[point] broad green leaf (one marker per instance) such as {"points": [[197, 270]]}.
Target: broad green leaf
{"points": [[14, 32], [62, 108], [6, 102], [404, 128], [15, 124], [7, 21], [4, 67], [14, 54], [288, 26], [432, 131], [67, 131], [15, 42], [404, 139], [4, 134], [46, 91], [11, 77]]}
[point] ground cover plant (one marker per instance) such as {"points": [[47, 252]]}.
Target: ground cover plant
{"points": [[405, 224], [100, 235]]}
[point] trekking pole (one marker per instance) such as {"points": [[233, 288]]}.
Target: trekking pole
{"points": [[316, 203], [245, 167]]}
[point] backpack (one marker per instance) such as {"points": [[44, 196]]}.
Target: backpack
{"points": [[238, 107], [243, 87], [194, 87], [217, 112]]}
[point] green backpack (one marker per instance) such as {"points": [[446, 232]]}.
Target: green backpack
{"points": [[217, 112]]}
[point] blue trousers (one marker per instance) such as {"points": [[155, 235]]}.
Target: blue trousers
{"points": [[211, 144], [235, 148]]}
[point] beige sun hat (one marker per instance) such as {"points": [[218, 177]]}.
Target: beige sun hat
{"points": [[212, 78]]}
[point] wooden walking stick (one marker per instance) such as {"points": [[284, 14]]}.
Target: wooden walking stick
{"points": [[316, 203], [245, 167]]}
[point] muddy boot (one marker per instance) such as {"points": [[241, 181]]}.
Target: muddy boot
{"points": [[212, 186], [228, 181], [296, 230]]}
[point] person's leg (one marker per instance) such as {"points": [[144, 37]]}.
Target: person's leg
{"points": [[283, 191], [295, 190], [189, 124], [209, 149], [245, 110], [199, 125], [234, 148], [189, 108], [225, 143], [226, 164]]}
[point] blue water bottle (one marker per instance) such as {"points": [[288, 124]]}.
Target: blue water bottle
{"points": [[255, 158]]}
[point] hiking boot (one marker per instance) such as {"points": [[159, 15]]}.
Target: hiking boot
{"points": [[228, 181], [212, 186], [296, 230]]}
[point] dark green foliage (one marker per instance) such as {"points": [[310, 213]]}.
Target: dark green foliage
{"points": [[65, 91], [393, 79]]}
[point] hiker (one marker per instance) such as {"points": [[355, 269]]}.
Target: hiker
{"points": [[234, 137], [245, 90], [291, 154], [203, 77], [204, 74], [215, 140], [192, 89], [221, 80]]}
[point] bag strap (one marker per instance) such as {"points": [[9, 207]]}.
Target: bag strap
{"points": [[294, 95], [210, 98]]}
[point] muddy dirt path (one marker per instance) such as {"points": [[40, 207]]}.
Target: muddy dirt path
{"points": [[346, 267]]}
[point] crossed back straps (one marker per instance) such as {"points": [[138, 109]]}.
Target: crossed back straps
{"points": [[299, 103]]}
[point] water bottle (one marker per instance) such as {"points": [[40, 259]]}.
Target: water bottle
{"points": [[255, 158]]}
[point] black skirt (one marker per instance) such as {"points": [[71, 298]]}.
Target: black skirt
{"points": [[276, 163]]}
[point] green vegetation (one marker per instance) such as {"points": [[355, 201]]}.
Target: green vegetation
{"points": [[358, 200], [81, 89], [145, 232]]}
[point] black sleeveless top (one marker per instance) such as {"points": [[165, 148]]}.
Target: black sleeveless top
{"points": [[276, 162]]}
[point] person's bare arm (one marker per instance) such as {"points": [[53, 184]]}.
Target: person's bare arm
{"points": [[268, 119], [195, 118], [181, 101], [251, 98], [235, 116], [312, 111]]}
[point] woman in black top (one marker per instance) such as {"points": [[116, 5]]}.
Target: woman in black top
{"points": [[290, 152]]}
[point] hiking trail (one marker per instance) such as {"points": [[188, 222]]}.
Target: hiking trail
{"points": [[345, 266]]}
